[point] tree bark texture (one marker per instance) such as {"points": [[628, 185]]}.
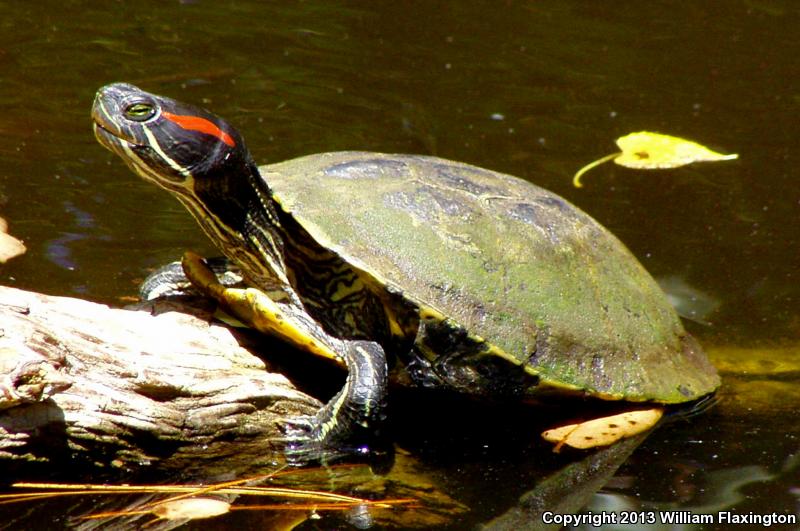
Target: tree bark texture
{"points": [[122, 387]]}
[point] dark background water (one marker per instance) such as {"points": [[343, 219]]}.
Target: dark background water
{"points": [[535, 89]]}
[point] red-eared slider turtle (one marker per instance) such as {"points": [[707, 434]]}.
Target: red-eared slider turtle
{"points": [[463, 278]]}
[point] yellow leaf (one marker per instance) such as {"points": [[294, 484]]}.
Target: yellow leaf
{"points": [[655, 151], [603, 431], [646, 151]]}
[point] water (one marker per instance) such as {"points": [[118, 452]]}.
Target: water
{"points": [[534, 89]]}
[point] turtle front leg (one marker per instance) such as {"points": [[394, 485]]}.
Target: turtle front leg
{"points": [[358, 411], [258, 310], [352, 421], [171, 280]]}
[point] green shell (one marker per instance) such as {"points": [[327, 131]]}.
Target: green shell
{"points": [[510, 262]]}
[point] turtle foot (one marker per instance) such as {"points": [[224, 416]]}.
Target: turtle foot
{"points": [[304, 446], [351, 425]]}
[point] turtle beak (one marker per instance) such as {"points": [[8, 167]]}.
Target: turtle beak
{"points": [[108, 110]]}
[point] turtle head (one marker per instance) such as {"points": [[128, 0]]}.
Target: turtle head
{"points": [[165, 141], [203, 161]]}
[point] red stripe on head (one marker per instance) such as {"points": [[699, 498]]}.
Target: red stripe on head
{"points": [[195, 123]]}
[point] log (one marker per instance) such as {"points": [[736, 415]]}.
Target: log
{"points": [[157, 393], [160, 383]]}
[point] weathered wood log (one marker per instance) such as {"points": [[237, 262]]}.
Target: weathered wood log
{"points": [[122, 387]]}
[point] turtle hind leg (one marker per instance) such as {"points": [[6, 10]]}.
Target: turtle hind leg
{"points": [[352, 423]]}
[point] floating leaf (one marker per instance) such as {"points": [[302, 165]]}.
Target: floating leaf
{"points": [[647, 151], [603, 431], [655, 151]]}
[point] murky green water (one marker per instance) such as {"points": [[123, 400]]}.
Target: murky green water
{"points": [[535, 89]]}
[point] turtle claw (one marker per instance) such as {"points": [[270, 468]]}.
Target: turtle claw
{"points": [[306, 441], [302, 448], [303, 437], [304, 445], [298, 432]]}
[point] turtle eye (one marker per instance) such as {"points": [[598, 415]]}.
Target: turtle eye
{"points": [[140, 112]]}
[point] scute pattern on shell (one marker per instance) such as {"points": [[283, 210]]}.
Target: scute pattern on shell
{"points": [[508, 261]]}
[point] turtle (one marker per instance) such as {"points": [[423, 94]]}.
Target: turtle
{"points": [[442, 274]]}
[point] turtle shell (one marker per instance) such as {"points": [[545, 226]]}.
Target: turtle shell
{"points": [[520, 267]]}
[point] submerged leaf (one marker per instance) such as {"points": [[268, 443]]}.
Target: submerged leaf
{"points": [[603, 431], [647, 151], [191, 508]]}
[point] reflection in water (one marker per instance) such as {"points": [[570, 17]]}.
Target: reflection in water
{"points": [[566, 491], [690, 302], [59, 250], [715, 492]]}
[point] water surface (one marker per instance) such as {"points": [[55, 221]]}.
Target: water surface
{"points": [[535, 89]]}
